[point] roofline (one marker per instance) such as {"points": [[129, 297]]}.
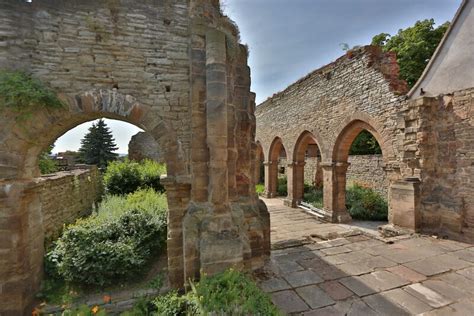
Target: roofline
{"points": [[438, 49]]}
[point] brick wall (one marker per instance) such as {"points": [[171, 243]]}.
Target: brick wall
{"points": [[68, 195]]}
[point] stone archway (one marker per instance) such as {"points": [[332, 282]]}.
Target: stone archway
{"points": [[296, 169], [183, 61], [335, 172], [271, 167], [21, 206]]}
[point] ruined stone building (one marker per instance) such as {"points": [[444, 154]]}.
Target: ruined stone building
{"points": [[173, 68], [426, 134]]}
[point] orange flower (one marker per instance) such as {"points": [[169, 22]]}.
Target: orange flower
{"points": [[95, 309], [107, 299], [35, 312]]}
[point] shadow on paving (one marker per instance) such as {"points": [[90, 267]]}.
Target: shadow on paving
{"points": [[353, 273]]}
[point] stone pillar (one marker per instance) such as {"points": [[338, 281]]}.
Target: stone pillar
{"points": [[404, 203], [295, 176], [318, 177], [271, 178], [179, 193], [216, 112], [334, 175], [22, 246]]}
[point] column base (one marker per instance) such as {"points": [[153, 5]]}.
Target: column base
{"points": [[293, 203]]}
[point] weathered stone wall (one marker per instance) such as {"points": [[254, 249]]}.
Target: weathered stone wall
{"points": [[143, 146], [174, 68], [68, 195], [439, 143], [367, 170], [330, 107]]}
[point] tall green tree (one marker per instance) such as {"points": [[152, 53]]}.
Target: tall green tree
{"points": [[365, 144], [98, 145], [414, 47]]}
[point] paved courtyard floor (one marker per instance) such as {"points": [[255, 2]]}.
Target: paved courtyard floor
{"points": [[330, 269]]}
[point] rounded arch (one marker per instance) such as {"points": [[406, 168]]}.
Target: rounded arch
{"points": [[27, 139], [350, 128], [306, 138]]}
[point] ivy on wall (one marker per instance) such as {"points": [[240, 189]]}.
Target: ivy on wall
{"points": [[22, 93]]}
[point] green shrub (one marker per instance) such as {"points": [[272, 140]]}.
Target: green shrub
{"points": [[231, 293], [150, 173], [314, 196], [113, 244], [366, 204], [123, 177], [282, 187], [174, 304], [226, 293], [260, 188]]}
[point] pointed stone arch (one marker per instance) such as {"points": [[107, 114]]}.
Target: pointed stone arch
{"points": [[271, 167]]}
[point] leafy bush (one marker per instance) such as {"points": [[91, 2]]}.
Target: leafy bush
{"points": [[123, 177], [260, 188], [174, 304], [366, 204], [314, 196], [226, 293], [112, 244], [150, 173], [232, 293], [282, 187], [46, 164]]}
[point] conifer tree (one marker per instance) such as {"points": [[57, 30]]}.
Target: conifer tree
{"points": [[98, 145]]}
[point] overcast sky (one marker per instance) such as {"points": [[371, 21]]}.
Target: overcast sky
{"points": [[290, 38]]}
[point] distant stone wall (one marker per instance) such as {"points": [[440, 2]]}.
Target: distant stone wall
{"points": [[68, 195], [367, 171]]}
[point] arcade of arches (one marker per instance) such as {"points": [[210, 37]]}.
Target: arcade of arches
{"points": [[427, 146]]}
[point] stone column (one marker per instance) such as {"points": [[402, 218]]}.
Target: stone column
{"points": [[271, 178], [180, 194], [295, 176], [318, 177], [405, 203], [216, 112], [334, 175]]}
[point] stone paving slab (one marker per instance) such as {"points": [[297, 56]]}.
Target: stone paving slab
{"points": [[289, 302], [314, 296], [359, 274], [408, 302]]}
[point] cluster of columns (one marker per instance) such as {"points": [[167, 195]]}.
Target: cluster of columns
{"points": [[334, 186]]}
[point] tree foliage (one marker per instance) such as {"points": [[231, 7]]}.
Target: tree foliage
{"points": [[98, 145], [414, 47], [365, 144]]}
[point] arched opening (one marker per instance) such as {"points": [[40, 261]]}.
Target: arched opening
{"points": [[99, 186], [260, 170], [21, 148], [306, 172], [276, 170], [361, 188]]}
